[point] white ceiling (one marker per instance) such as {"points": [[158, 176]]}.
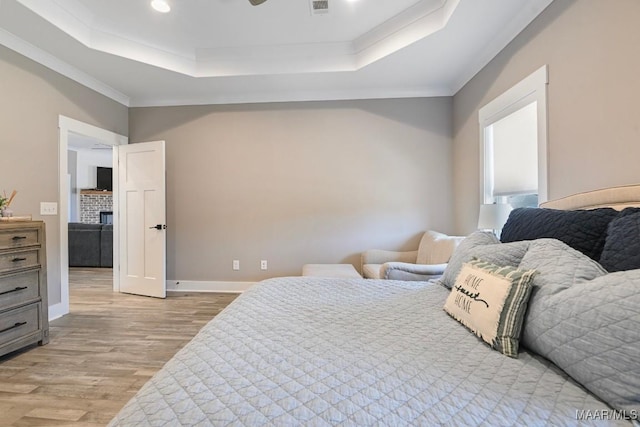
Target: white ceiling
{"points": [[227, 51], [78, 142]]}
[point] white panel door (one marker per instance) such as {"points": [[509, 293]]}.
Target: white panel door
{"points": [[142, 214]]}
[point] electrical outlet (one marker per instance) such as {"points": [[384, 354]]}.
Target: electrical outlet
{"points": [[236, 264], [263, 264], [48, 208]]}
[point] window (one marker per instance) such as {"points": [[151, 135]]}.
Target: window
{"points": [[513, 144]]}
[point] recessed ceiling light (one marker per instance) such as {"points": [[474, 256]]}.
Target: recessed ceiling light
{"points": [[161, 6]]}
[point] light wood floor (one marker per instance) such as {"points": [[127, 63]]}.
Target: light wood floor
{"points": [[100, 354]]}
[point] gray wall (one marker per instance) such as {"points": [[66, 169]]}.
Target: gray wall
{"points": [[591, 47], [31, 99], [298, 183]]}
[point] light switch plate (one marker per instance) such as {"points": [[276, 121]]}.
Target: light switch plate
{"points": [[48, 208]]}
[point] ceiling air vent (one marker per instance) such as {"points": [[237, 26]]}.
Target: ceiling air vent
{"points": [[319, 7]]}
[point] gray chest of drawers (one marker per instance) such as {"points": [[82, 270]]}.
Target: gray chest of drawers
{"points": [[23, 285]]}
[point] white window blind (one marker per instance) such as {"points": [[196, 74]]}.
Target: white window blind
{"points": [[514, 141], [515, 174]]}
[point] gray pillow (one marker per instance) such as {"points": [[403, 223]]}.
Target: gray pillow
{"points": [[592, 332], [487, 247], [559, 267]]}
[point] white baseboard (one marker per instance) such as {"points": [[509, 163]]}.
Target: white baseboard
{"points": [[207, 286]]}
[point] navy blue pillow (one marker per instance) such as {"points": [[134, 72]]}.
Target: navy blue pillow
{"points": [[583, 230], [622, 247]]}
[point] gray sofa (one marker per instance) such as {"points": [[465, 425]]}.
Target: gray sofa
{"points": [[90, 245]]}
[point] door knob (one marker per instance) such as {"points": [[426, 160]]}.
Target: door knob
{"points": [[159, 227]]}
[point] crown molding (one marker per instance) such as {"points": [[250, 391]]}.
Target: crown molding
{"points": [[272, 60], [295, 96], [26, 49], [38, 55], [413, 24], [502, 39], [404, 29]]}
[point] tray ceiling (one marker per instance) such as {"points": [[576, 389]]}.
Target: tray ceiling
{"points": [[227, 51]]}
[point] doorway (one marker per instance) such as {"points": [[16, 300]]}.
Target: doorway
{"points": [[75, 132]]}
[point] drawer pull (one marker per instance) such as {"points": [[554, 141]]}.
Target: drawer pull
{"points": [[19, 237], [18, 289], [18, 259], [17, 325]]}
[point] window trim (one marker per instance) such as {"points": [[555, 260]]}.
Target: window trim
{"points": [[531, 88]]}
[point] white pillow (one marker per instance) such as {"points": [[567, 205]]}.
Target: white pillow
{"points": [[491, 301], [436, 248]]}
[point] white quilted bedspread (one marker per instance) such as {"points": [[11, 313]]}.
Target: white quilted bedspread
{"points": [[319, 352]]}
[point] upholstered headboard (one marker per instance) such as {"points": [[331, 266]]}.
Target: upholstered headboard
{"points": [[614, 197]]}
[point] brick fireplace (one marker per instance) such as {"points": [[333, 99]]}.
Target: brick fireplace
{"points": [[92, 202]]}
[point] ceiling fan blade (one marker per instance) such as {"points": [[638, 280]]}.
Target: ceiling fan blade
{"points": [[256, 2]]}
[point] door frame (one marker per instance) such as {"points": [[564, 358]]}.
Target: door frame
{"points": [[67, 125]]}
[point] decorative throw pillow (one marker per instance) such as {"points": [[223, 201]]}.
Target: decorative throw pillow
{"points": [[486, 246], [491, 301], [592, 332], [583, 230], [559, 267], [622, 246], [436, 248]]}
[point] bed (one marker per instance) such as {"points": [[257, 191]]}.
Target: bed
{"points": [[329, 351]]}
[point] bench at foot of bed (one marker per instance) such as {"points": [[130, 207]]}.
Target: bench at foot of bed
{"points": [[331, 270]]}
